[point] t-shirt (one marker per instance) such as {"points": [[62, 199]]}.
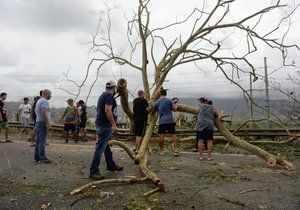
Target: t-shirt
{"points": [[164, 108], [34, 105], [25, 110], [71, 112], [139, 109], [205, 117], [105, 99], [83, 113], [42, 103], [3, 111]]}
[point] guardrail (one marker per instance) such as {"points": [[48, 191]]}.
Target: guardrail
{"points": [[273, 132]]}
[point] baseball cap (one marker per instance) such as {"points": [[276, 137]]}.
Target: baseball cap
{"points": [[110, 84]]}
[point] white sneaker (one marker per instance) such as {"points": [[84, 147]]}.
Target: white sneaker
{"points": [[161, 152]]}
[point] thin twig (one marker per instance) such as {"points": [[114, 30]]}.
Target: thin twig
{"points": [[146, 194], [229, 200]]}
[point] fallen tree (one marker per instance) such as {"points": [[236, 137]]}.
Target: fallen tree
{"points": [[190, 46]]}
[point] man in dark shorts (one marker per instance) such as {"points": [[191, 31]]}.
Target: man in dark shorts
{"points": [[82, 119], [140, 111], [105, 125], [164, 106], [195, 149], [69, 118], [205, 126], [3, 118]]}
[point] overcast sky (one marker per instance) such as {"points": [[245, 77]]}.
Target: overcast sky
{"points": [[40, 40]]}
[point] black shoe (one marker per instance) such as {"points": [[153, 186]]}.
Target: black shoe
{"points": [[115, 168], [45, 161], [135, 151], [194, 150], [96, 176], [66, 141]]}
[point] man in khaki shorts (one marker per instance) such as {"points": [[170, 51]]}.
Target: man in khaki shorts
{"points": [[3, 118], [25, 111]]}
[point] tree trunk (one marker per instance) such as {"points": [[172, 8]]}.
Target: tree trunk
{"points": [[123, 92]]}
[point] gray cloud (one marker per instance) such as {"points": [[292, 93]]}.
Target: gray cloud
{"points": [[54, 15], [8, 58]]}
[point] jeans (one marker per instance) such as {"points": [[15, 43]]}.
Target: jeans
{"points": [[41, 135], [104, 135]]}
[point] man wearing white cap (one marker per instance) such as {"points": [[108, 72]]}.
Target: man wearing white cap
{"points": [[105, 125]]}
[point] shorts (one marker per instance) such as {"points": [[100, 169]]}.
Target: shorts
{"points": [[167, 128], [82, 123], [140, 128], [4, 125], [34, 121], [205, 134], [25, 121], [69, 127]]}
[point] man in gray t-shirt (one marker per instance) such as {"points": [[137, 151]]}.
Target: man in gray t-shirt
{"points": [[164, 106], [205, 126]]}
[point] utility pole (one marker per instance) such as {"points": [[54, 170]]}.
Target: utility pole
{"points": [[251, 103], [267, 92]]}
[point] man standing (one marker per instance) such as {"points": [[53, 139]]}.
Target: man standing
{"points": [[3, 118], [82, 119], [164, 106], [34, 118], [140, 111], [25, 111], [205, 126], [42, 126], [105, 125], [69, 118]]}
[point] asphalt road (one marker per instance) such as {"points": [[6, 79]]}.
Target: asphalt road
{"points": [[227, 182]]}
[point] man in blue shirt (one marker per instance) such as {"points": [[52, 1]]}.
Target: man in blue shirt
{"points": [[42, 126], [105, 125], [164, 106]]}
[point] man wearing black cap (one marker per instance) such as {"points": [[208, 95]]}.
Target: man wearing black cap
{"points": [[105, 125]]}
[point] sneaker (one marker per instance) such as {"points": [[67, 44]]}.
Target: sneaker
{"points": [[46, 161], [160, 152], [9, 141], [209, 158], [176, 153], [135, 151], [32, 145], [195, 150], [115, 168], [201, 158], [96, 176]]}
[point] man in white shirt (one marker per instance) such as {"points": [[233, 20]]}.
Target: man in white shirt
{"points": [[25, 111]]}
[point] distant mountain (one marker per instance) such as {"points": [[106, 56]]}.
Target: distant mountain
{"points": [[238, 108]]}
